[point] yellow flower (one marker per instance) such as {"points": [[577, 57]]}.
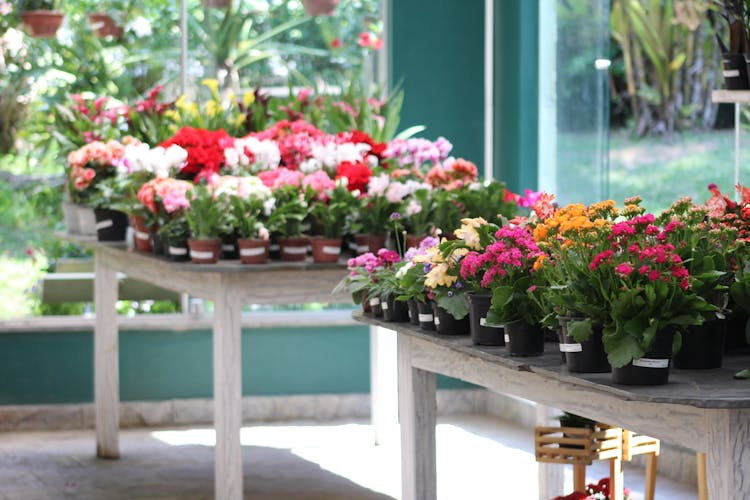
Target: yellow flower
{"points": [[172, 115], [438, 276], [213, 86], [213, 108], [181, 102], [468, 231], [192, 109], [248, 99], [240, 120]]}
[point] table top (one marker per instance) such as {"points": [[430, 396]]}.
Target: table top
{"points": [[698, 388]]}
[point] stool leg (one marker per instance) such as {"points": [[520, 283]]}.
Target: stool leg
{"points": [[579, 477], [650, 490], [616, 479], [702, 482]]}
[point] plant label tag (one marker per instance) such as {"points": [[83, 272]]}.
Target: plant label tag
{"points": [[178, 251], [731, 73], [375, 302], [252, 252], [483, 322], [141, 235], [362, 248], [104, 224], [384, 306], [275, 247], [295, 250], [651, 363], [571, 348], [409, 313], [227, 248], [201, 255], [425, 318], [507, 338], [437, 321], [331, 250]]}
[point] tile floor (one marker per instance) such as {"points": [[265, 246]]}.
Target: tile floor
{"points": [[479, 457]]}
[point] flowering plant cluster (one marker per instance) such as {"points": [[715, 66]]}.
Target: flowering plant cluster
{"points": [[594, 491], [365, 271], [89, 165]]}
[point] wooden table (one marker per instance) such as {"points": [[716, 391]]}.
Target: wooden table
{"points": [[229, 285], [706, 411]]}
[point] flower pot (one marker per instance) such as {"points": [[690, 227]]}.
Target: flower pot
{"points": [[736, 335], [523, 339], [142, 234], [111, 225], [104, 26], [369, 243], [425, 316], [274, 249], [734, 69], [481, 334], [446, 324], [366, 308], [70, 217], [253, 251], [414, 240], [205, 251], [319, 7], [176, 249], [413, 311], [584, 357], [375, 306], [86, 221], [395, 310], [294, 249], [652, 368], [229, 249], [702, 346], [42, 23], [157, 244], [326, 249]]}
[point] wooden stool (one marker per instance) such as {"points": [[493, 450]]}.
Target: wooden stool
{"points": [[580, 447]]}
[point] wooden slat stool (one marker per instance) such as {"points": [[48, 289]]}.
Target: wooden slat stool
{"points": [[580, 447]]}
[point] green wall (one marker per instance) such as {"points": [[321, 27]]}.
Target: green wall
{"points": [[57, 367], [437, 51]]}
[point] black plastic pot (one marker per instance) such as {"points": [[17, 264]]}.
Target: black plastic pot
{"points": [[481, 334], [375, 307], [229, 248], [652, 368], [446, 324], [395, 310], [736, 336], [587, 356], [111, 225], [734, 69], [702, 346], [157, 244], [413, 311], [523, 339], [176, 249], [425, 316]]}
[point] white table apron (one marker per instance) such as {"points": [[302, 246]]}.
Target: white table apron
{"points": [[717, 421], [229, 285]]}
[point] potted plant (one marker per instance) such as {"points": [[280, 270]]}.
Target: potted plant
{"points": [[288, 221], [734, 58], [650, 293], [109, 18], [515, 280], [417, 210], [361, 279], [411, 281], [374, 213], [251, 204], [109, 204], [319, 7], [208, 219], [40, 17], [331, 215], [386, 286]]}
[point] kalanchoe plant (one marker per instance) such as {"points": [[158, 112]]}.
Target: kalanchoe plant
{"points": [[164, 199], [89, 165], [490, 200], [207, 215]]}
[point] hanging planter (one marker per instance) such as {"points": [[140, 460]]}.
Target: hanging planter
{"points": [[42, 23], [104, 26], [216, 4], [319, 7]]}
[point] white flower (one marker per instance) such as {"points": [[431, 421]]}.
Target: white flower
{"points": [[404, 269], [268, 206], [231, 157], [396, 192], [414, 207], [378, 185], [140, 26], [309, 166], [266, 152]]}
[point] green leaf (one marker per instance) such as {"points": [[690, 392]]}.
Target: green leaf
{"points": [[457, 305], [742, 375], [580, 330]]}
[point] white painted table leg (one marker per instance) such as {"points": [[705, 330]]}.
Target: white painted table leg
{"points": [[383, 383], [106, 362], [227, 394], [418, 413], [550, 476], [728, 454]]}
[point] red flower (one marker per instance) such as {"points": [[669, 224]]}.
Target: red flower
{"points": [[205, 151], [357, 174], [336, 43]]}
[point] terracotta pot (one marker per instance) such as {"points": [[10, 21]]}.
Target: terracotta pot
{"points": [[369, 243], [326, 249], [253, 251], [414, 240], [205, 251], [42, 23], [319, 7], [294, 249], [141, 234], [104, 26]]}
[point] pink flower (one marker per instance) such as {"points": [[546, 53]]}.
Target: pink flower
{"points": [[304, 94], [336, 43], [624, 269], [319, 182]]}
